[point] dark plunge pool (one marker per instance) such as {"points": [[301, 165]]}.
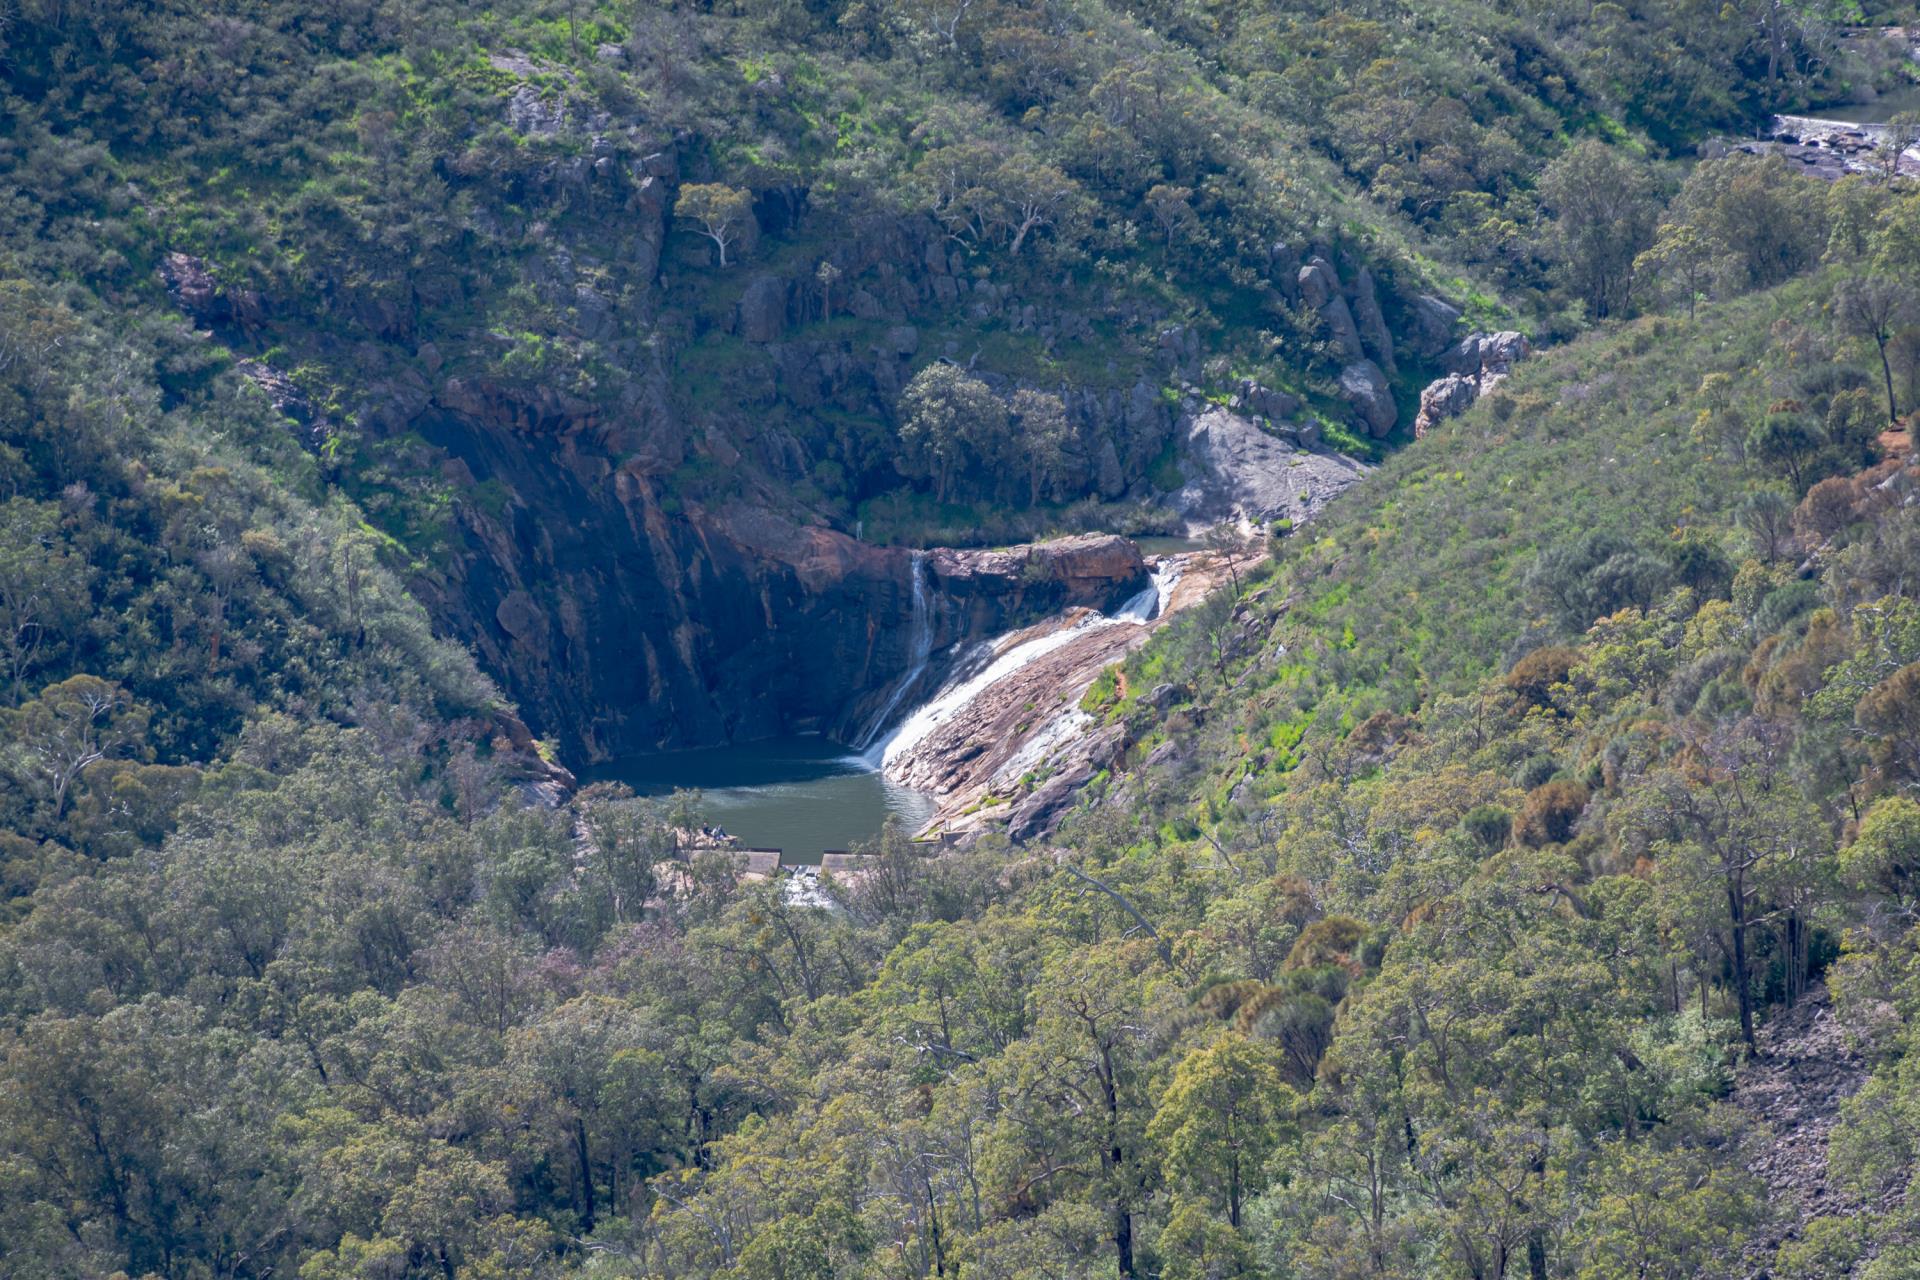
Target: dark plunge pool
{"points": [[802, 795]]}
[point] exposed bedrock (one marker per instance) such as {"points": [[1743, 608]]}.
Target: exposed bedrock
{"points": [[1476, 365], [1236, 470], [623, 622]]}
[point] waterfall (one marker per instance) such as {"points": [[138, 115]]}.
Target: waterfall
{"points": [[1151, 601], [972, 679], [920, 649], [961, 690], [988, 665]]}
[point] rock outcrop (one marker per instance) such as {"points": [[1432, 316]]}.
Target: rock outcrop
{"points": [[1364, 345], [1016, 753], [982, 591], [190, 284], [1475, 366], [1373, 323], [1483, 354], [1235, 470], [1365, 387], [1444, 398]]}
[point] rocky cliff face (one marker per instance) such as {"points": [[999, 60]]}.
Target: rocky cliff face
{"points": [[629, 555], [624, 620]]}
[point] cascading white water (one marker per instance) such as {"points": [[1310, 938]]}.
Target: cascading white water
{"points": [[956, 694], [1151, 602], [920, 650], [968, 684], [1166, 576], [1141, 607]]}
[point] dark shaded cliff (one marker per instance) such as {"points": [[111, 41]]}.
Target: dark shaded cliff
{"points": [[628, 618]]}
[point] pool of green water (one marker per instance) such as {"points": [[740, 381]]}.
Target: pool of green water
{"points": [[802, 795]]}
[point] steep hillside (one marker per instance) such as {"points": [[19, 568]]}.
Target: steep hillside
{"points": [[1455, 864], [669, 263], [1428, 580], [1451, 893]]}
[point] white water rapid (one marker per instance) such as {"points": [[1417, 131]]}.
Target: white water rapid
{"points": [[971, 679], [1152, 601]]}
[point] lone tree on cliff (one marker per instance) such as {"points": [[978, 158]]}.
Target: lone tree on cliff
{"points": [[721, 211], [1229, 543]]}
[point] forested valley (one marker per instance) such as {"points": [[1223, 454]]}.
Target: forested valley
{"points": [[1514, 871]]}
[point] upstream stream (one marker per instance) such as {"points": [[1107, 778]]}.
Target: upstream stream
{"points": [[808, 795]]}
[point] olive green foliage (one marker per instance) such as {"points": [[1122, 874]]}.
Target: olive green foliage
{"points": [[1641, 726], [1521, 789], [563, 203]]}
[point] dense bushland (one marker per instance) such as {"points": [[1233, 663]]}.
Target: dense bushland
{"points": [[395, 197], [1502, 808]]}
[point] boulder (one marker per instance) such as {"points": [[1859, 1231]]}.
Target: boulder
{"points": [[1163, 697], [1373, 325], [1318, 283], [1434, 323], [1320, 289], [1480, 353], [1367, 390], [763, 309], [1445, 398], [1267, 402], [1341, 329]]}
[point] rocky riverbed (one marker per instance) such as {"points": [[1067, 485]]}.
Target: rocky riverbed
{"points": [[1829, 149], [1004, 744]]}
